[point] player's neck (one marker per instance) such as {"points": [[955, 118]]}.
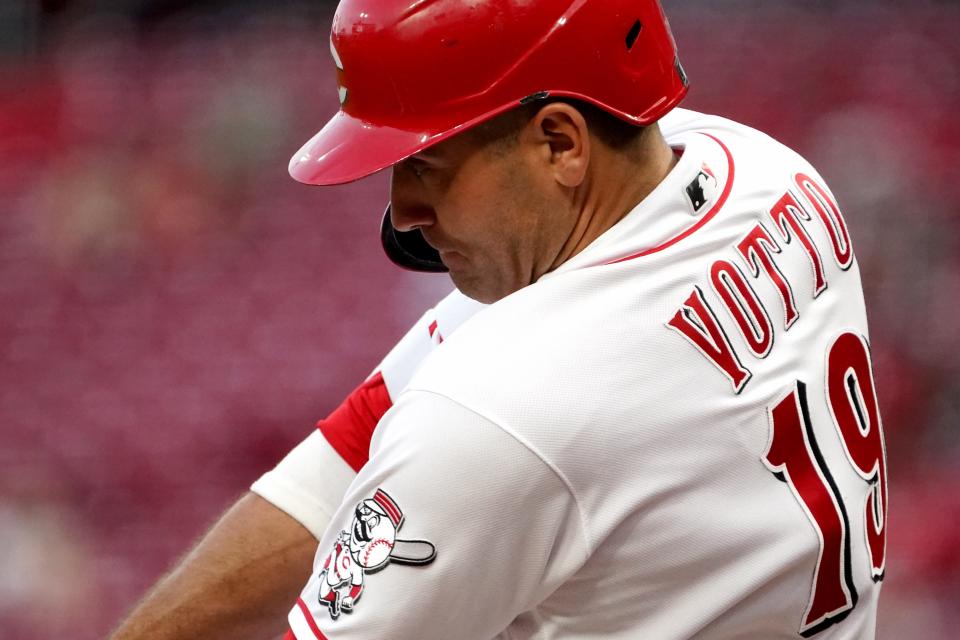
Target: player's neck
{"points": [[617, 183]]}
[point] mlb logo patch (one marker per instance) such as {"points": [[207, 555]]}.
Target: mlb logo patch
{"points": [[702, 189]]}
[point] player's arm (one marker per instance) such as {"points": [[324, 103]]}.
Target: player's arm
{"points": [[483, 530], [257, 551], [240, 579], [236, 583]]}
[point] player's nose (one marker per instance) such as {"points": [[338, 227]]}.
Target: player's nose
{"points": [[409, 208]]}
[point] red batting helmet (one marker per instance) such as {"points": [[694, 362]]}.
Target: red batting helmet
{"points": [[414, 72]]}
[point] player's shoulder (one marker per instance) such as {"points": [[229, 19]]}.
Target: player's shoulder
{"points": [[539, 347], [492, 335], [499, 338]]}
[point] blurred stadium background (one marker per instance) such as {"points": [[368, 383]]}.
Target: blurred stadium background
{"points": [[175, 312]]}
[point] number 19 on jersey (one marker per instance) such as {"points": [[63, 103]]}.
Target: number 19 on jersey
{"points": [[795, 458]]}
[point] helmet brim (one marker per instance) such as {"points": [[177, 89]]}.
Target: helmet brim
{"points": [[347, 149]]}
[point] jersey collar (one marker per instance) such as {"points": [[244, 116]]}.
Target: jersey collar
{"points": [[691, 195]]}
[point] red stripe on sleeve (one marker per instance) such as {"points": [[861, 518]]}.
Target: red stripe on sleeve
{"points": [[349, 428], [305, 610], [434, 333]]}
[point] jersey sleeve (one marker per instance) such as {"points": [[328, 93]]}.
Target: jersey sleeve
{"points": [[308, 484], [457, 527]]}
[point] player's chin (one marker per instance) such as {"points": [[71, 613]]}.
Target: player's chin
{"points": [[481, 286], [468, 282]]}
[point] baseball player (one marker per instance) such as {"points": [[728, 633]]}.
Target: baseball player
{"points": [[665, 424]]}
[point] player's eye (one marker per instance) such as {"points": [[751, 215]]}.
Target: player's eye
{"points": [[417, 166]]}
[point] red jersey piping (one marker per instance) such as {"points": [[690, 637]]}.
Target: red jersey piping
{"points": [[714, 210], [310, 621]]}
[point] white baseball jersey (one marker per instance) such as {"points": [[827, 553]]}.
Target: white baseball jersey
{"points": [[673, 435]]}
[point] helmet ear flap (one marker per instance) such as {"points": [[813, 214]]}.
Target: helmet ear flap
{"points": [[408, 249]]}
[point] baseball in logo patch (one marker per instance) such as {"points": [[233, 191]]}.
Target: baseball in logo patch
{"points": [[369, 546], [702, 189]]}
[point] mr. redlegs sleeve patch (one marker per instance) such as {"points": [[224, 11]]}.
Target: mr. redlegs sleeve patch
{"points": [[369, 546]]}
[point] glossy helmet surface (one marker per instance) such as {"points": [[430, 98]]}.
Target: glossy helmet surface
{"points": [[412, 73]]}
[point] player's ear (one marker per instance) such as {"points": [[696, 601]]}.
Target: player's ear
{"points": [[559, 133]]}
